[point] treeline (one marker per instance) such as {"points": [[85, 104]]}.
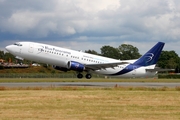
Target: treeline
{"points": [[123, 52], [6, 56], [168, 59]]}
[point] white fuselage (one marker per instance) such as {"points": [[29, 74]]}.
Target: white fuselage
{"points": [[59, 56]]}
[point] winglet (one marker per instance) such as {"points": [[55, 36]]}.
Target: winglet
{"points": [[151, 57]]}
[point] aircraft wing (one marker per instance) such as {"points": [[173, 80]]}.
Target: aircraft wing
{"points": [[104, 65], [159, 69]]}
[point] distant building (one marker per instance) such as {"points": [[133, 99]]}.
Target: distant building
{"points": [[36, 64], [2, 61]]}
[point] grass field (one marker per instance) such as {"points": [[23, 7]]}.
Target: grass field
{"points": [[87, 80], [73, 103], [77, 103]]}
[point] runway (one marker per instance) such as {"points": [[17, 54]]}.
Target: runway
{"points": [[92, 84]]}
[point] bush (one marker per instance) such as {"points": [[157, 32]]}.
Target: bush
{"points": [[170, 76], [1, 67]]}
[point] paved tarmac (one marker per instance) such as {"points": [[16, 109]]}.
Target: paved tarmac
{"points": [[92, 84]]}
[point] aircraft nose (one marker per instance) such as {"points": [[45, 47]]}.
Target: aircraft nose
{"points": [[8, 48]]}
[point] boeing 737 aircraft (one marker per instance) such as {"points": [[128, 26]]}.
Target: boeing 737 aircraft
{"points": [[66, 59]]}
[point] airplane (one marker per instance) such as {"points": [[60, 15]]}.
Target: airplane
{"points": [[66, 59]]}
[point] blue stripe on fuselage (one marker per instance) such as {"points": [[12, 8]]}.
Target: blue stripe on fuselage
{"points": [[127, 69]]}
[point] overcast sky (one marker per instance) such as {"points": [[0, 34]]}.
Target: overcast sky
{"points": [[91, 24]]}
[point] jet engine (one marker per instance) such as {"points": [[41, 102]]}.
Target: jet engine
{"points": [[72, 65]]}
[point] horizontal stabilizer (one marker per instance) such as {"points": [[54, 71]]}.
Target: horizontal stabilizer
{"points": [[157, 69]]}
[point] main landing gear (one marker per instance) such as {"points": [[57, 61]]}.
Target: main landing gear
{"points": [[88, 76]]}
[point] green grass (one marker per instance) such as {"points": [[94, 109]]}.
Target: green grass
{"points": [[86, 80], [74, 103]]}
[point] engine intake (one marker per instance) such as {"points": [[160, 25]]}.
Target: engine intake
{"points": [[72, 65]]}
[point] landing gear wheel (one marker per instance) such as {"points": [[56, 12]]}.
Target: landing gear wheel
{"points": [[79, 75], [88, 76]]}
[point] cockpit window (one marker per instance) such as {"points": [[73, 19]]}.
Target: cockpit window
{"points": [[17, 44]]}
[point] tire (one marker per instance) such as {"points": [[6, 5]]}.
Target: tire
{"points": [[79, 75], [88, 76]]}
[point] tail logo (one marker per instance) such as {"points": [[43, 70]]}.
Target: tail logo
{"points": [[149, 57]]}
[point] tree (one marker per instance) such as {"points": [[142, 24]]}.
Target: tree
{"points": [[169, 59], [128, 52], [91, 52], [1, 54], [177, 70], [9, 57], [109, 51]]}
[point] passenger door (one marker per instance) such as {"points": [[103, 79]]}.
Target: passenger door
{"points": [[31, 48]]}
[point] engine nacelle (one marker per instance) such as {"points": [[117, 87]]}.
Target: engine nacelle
{"points": [[72, 65], [60, 68]]}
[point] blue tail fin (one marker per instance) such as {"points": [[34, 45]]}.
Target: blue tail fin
{"points": [[151, 57]]}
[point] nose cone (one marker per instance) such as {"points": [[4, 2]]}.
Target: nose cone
{"points": [[7, 48]]}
